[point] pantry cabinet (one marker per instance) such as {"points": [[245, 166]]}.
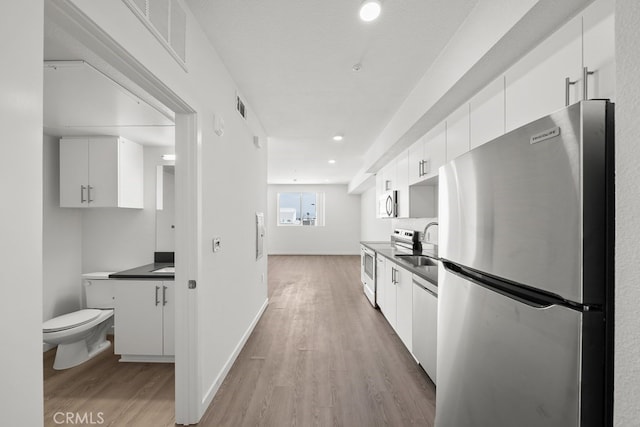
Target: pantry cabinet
{"points": [[144, 320], [101, 172]]}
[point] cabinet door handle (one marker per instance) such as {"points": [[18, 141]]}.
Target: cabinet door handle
{"points": [[420, 167], [585, 82], [82, 199], [89, 188], [157, 299], [164, 295], [567, 88]]}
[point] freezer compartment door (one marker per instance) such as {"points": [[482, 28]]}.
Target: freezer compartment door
{"points": [[515, 208], [503, 363]]}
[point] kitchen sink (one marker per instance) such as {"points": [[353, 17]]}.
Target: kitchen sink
{"points": [[165, 270], [418, 260]]}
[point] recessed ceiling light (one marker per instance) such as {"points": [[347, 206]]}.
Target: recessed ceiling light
{"points": [[370, 10], [338, 138], [168, 157], [331, 162]]}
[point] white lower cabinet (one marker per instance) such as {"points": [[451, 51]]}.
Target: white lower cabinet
{"points": [[404, 306], [389, 285], [397, 302], [144, 320]]}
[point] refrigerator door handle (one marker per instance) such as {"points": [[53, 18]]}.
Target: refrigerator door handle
{"points": [[524, 294]]}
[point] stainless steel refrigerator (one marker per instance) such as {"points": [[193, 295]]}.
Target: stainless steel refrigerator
{"points": [[525, 321]]}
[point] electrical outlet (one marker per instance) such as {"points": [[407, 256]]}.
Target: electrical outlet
{"points": [[262, 276]]}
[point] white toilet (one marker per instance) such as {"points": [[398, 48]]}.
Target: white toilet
{"points": [[82, 335]]}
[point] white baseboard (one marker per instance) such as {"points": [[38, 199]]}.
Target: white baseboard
{"points": [[210, 394]]}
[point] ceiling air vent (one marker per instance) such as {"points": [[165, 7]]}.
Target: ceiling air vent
{"points": [[240, 107]]}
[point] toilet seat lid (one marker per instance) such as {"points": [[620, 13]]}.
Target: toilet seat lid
{"points": [[70, 320]]}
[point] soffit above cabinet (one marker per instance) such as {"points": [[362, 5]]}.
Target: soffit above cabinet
{"points": [[80, 100]]}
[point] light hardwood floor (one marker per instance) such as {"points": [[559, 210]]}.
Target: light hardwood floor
{"points": [[103, 389], [319, 356], [322, 356]]}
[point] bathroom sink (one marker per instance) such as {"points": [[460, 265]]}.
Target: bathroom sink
{"points": [[165, 270]]}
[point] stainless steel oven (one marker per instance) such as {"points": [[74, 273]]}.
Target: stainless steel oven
{"points": [[368, 273]]}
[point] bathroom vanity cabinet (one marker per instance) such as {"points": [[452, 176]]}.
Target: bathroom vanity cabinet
{"points": [[144, 320]]}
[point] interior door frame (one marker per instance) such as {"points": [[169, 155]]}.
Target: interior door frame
{"points": [[82, 27]]}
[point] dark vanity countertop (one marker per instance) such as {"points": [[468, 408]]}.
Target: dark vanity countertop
{"points": [[144, 272]]}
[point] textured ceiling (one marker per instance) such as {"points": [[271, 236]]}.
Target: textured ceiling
{"points": [[293, 60]]}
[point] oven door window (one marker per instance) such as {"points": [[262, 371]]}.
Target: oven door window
{"points": [[369, 261]]}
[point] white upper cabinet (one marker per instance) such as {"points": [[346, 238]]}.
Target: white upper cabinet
{"points": [[101, 172], [458, 132], [416, 159], [486, 119], [427, 154], [599, 49], [402, 184], [537, 85]]}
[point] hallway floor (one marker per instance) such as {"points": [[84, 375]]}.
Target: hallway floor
{"points": [[322, 356]]}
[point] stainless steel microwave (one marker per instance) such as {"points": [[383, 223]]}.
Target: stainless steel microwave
{"points": [[388, 205]]}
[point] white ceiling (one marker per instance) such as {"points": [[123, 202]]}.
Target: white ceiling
{"points": [[293, 60], [79, 100]]}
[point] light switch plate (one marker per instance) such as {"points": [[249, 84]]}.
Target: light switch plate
{"points": [[216, 244]]}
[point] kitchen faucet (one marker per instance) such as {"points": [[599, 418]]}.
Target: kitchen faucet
{"points": [[424, 236]]}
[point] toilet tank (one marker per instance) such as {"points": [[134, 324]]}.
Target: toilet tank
{"points": [[98, 290]]}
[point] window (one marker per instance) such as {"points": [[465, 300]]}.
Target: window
{"points": [[304, 209]]}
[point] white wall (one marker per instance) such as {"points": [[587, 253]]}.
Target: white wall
{"points": [[62, 240], [371, 228], [627, 268], [116, 239], [339, 236], [21, 43]]}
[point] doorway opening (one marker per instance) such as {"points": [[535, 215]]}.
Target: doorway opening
{"points": [[70, 36]]}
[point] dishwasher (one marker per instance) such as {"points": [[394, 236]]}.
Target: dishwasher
{"points": [[425, 324]]}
